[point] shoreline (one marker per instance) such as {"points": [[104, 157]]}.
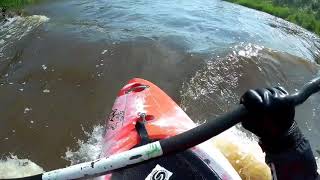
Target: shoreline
{"points": [[11, 8], [302, 17], [5, 13]]}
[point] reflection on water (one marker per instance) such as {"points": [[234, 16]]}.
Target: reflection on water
{"points": [[61, 76], [202, 26]]}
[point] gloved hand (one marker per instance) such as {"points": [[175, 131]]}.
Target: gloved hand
{"points": [[271, 118]]}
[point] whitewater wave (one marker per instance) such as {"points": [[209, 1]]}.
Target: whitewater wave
{"points": [[13, 167], [88, 150], [217, 87], [244, 153], [15, 28]]}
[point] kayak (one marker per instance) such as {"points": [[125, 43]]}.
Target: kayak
{"points": [[143, 113]]}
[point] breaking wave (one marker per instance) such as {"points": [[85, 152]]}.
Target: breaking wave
{"points": [[15, 28], [13, 167], [88, 150]]}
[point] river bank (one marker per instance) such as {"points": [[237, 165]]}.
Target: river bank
{"points": [[306, 17], [7, 13], [9, 8], [16, 4]]}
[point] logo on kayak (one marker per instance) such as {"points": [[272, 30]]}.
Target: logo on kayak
{"points": [[159, 173], [115, 118]]}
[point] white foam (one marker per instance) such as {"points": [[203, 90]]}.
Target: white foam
{"points": [[46, 91], [89, 150], [13, 167], [44, 67], [26, 110], [318, 163], [247, 143], [104, 51], [244, 153], [250, 50], [15, 28]]}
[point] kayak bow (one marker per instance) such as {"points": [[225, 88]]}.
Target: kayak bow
{"points": [[143, 113]]}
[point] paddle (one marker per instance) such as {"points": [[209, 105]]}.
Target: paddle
{"points": [[164, 147]]}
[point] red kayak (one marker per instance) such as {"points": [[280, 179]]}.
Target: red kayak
{"points": [[143, 113]]}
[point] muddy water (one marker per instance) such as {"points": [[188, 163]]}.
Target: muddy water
{"points": [[60, 72]]}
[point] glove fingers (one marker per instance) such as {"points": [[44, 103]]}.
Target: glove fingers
{"points": [[282, 92], [282, 89], [269, 112], [266, 96], [278, 92], [263, 92], [273, 91], [251, 100]]}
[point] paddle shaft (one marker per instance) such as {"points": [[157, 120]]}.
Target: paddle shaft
{"points": [[203, 132], [216, 126]]}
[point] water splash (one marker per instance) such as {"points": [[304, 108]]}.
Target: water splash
{"points": [[318, 163], [216, 87], [244, 153], [88, 150], [248, 51], [13, 167]]}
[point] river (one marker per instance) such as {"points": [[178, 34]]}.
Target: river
{"points": [[62, 65]]}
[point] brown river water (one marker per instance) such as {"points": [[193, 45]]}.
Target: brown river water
{"points": [[62, 65]]}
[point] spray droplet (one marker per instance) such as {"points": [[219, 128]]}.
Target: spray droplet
{"points": [[104, 51], [46, 91], [27, 110], [44, 67]]}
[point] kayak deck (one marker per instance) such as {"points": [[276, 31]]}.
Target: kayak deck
{"points": [[140, 101]]}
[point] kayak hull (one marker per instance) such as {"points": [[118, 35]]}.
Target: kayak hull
{"points": [[140, 101]]}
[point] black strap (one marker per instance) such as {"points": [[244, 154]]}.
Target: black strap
{"points": [[142, 131]]}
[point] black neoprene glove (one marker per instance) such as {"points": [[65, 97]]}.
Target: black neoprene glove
{"points": [[271, 118]]}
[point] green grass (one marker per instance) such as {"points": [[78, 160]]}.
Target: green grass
{"points": [[16, 4], [303, 17]]}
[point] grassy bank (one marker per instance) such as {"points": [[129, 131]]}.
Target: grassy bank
{"points": [[305, 15], [16, 4]]}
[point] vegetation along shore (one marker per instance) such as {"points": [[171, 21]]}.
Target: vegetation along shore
{"points": [[305, 13]]}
